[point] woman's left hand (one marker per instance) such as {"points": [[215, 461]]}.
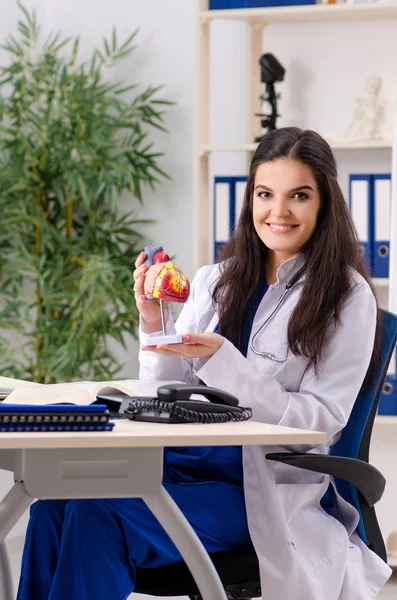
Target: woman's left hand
{"points": [[194, 345]]}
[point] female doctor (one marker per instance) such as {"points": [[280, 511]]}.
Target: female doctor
{"points": [[288, 323]]}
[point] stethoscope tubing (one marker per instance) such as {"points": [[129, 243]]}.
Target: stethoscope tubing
{"points": [[288, 287]]}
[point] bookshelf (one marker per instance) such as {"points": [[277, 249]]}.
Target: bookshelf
{"points": [[257, 19]]}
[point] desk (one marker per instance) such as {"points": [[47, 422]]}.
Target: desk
{"points": [[124, 463]]}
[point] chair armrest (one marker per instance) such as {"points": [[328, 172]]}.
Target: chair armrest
{"points": [[366, 478]]}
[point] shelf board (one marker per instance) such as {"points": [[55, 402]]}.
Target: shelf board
{"points": [[386, 420], [392, 561], [351, 144], [208, 148], [380, 281], [306, 13], [336, 144]]}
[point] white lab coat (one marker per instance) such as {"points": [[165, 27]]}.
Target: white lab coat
{"points": [[304, 553]]}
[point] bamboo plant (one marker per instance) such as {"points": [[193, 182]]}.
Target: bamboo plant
{"points": [[70, 144]]}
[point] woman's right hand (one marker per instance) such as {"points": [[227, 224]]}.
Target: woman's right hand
{"points": [[149, 309]]}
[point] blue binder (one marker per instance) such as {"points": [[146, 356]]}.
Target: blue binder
{"points": [[220, 4], [361, 207], [388, 398], [256, 3], [224, 211], [381, 239]]}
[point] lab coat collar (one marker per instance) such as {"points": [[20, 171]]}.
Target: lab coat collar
{"points": [[288, 268]]}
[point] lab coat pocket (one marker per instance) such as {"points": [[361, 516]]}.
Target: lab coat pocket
{"points": [[207, 322], [278, 360], [317, 537]]}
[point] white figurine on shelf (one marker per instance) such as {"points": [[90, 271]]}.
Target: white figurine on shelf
{"points": [[368, 112]]}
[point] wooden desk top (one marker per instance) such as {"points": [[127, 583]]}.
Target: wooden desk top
{"points": [[131, 434]]}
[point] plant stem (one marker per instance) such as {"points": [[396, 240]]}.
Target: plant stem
{"points": [[37, 203], [69, 222], [39, 344]]}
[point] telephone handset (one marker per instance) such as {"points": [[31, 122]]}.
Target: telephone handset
{"points": [[182, 391], [174, 405]]}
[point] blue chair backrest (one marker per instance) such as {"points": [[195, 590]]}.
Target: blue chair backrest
{"points": [[355, 437]]}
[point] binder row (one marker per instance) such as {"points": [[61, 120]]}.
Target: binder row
{"points": [[221, 4], [370, 204]]}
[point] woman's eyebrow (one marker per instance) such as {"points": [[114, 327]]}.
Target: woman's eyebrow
{"points": [[302, 187], [297, 189]]}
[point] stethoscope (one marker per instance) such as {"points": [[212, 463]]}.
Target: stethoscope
{"points": [[289, 285]]}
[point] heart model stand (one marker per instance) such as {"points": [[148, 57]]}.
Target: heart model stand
{"points": [[164, 281]]}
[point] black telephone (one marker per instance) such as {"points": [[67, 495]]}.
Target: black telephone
{"points": [[174, 405]]}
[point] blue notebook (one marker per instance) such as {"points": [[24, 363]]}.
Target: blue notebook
{"points": [[54, 417], [56, 427]]}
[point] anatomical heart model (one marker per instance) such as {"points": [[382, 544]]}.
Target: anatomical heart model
{"points": [[164, 282]]}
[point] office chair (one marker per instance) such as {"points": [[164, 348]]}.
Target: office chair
{"points": [[357, 482]]}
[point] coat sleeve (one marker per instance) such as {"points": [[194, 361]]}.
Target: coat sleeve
{"points": [[160, 368], [322, 403]]}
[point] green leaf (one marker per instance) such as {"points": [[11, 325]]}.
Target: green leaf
{"points": [[125, 89], [107, 47], [128, 41], [31, 19], [83, 191], [54, 48]]}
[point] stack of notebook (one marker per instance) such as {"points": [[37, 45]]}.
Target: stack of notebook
{"points": [[54, 417]]}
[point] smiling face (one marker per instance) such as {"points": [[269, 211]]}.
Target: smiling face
{"points": [[286, 204]]}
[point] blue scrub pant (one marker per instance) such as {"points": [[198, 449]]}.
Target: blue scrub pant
{"points": [[88, 549]]}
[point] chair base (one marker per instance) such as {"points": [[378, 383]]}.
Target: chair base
{"points": [[238, 570], [240, 591]]}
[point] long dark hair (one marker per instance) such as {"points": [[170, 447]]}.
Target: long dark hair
{"points": [[329, 254]]}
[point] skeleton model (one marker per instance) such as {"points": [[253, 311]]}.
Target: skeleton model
{"points": [[368, 111]]}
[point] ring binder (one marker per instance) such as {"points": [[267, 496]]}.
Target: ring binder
{"points": [[54, 417]]}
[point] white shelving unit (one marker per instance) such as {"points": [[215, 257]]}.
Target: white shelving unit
{"points": [[257, 19]]}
